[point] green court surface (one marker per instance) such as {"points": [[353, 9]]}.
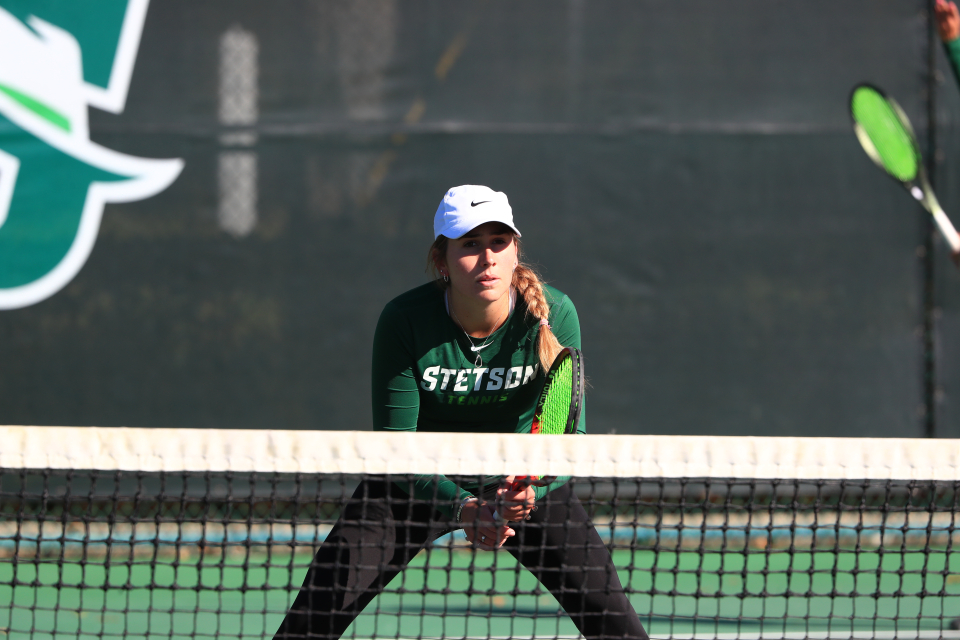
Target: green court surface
{"points": [[456, 593]]}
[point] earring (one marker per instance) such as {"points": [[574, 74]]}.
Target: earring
{"points": [[446, 278]]}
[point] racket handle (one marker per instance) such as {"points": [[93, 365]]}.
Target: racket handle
{"points": [[522, 482], [948, 230], [519, 483]]}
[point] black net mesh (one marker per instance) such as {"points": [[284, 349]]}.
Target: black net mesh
{"points": [[107, 554]]}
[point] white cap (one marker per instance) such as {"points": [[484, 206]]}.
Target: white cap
{"points": [[467, 207]]}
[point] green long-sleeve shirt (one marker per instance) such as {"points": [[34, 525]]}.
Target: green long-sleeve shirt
{"points": [[952, 49], [425, 377]]}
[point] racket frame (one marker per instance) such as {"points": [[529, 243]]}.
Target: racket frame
{"points": [[919, 187], [573, 415], [576, 398]]}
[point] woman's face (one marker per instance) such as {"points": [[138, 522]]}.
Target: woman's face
{"points": [[481, 263]]}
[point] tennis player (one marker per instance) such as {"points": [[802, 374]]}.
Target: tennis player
{"points": [[465, 353]]}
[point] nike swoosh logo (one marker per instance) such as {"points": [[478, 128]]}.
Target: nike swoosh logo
{"points": [[473, 204]]}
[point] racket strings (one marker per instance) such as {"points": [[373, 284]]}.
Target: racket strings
{"points": [[555, 411], [890, 138]]}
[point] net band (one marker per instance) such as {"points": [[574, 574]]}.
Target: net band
{"points": [[610, 456]]}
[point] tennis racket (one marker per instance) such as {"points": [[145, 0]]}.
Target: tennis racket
{"points": [[558, 406], [886, 135]]}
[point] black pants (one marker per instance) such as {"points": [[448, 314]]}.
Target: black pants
{"points": [[381, 529]]}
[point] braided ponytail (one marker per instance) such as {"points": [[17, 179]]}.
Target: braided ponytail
{"points": [[529, 286]]}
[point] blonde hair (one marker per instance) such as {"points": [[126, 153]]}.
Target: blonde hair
{"points": [[528, 286]]}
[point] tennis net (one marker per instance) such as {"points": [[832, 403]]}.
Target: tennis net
{"points": [[166, 533]]}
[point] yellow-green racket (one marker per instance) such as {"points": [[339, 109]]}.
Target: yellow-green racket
{"points": [[884, 131], [559, 404]]}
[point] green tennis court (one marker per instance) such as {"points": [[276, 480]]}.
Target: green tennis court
{"points": [[455, 593]]}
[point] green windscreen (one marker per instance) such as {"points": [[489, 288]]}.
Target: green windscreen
{"points": [[888, 142], [556, 405]]}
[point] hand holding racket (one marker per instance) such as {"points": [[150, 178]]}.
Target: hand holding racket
{"points": [[557, 413], [483, 526], [516, 497], [887, 137], [948, 20]]}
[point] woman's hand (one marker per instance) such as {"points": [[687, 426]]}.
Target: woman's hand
{"points": [[948, 20], [481, 526], [515, 505]]}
